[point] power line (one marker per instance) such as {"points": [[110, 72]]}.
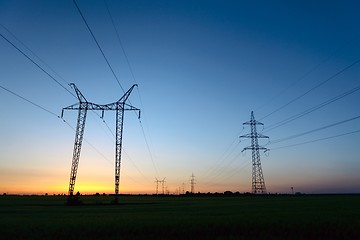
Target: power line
{"points": [[43, 62], [225, 155], [90, 144], [311, 70], [102, 155], [128, 156], [137, 169], [51, 77], [148, 148], [32, 52], [296, 81], [212, 170], [145, 138], [316, 140], [314, 130], [53, 114], [310, 110], [120, 42], [108, 63], [56, 82], [222, 169], [31, 102], [133, 76], [42, 69], [98, 45], [313, 88], [234, 171]]}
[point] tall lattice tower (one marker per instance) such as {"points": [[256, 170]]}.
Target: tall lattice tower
{"points": [[258, 182], [192, 183]]}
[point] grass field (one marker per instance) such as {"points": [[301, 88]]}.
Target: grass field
{"points": [[182, 217]]}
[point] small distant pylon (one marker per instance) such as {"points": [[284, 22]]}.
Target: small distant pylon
{"points": [[258, 182], [192, 183], [162, 185], [157, 186]]}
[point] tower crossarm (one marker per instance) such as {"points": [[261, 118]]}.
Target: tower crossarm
{"points": [[127, 94], [251, 122], [250, 135], [121, 103], [78, 93], [255, 148], [105, 107]]}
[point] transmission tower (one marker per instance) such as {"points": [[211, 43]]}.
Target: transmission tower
{"points": [[157, 186], [258, 182], [83, 106], [192, 183], [162, 186]]}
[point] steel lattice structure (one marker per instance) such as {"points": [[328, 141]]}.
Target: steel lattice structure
{"points": [[192, 183], [83, 106], [258, 182]]}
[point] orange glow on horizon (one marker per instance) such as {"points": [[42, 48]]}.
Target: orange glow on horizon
{"points": [[88, 187]]}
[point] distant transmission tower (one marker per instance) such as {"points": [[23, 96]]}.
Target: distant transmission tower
{"points": [[83, 106], [258, 182], [162, 186], [192, 183], [157, 186]]}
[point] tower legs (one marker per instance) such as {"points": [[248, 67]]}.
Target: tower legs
{"points": [[80, 127], [118, 147]]}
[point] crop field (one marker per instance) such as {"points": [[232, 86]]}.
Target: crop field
{"points": [[182, 217]]}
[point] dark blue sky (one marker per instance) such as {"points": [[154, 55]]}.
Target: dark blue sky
{"points": [[202, 67]]}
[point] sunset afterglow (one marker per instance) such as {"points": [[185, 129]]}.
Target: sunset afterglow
{"points": [[201, 67]]}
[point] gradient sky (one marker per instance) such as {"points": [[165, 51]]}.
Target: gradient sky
{"points": [[202, 67]]}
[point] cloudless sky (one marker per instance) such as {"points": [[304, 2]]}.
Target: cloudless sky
{"points": [[201, 67]]}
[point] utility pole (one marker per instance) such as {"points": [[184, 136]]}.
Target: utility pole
{"points": [[83, 106], [258, 182], [192, 183]]}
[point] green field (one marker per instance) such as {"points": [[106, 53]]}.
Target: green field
{"points": [[182, 217]]}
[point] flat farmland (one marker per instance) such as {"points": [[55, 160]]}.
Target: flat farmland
{"points": [[182, 217]]}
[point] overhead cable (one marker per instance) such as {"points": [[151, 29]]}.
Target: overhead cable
{"points": [[41, 68], [31, 102], [33, 53], [316, 140], [312, 109], [98, 45], [148, 148], [296, 81], [314, 130], [313, 88], [120, 42]]}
